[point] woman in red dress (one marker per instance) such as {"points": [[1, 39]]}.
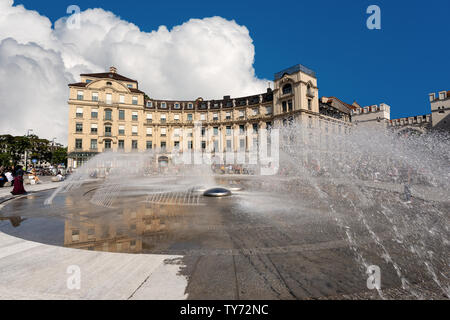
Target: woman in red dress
{"points": [[18, 181]]}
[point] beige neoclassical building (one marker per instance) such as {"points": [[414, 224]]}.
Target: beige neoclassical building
{"points": [[108, 112]]}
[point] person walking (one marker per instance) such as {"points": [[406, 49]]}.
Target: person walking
{"points": [[18, 181]]}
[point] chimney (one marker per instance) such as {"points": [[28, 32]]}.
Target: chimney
{"points": [[112, 70]]}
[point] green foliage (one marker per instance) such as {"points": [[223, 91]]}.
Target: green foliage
{"points": [[12, 149]]}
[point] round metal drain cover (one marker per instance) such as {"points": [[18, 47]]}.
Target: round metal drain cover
{"points": [[217, 192]]}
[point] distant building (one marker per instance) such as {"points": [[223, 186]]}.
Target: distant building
{"points": [[440, 110], [438, 119]]}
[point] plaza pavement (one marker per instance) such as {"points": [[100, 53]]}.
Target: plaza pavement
{"points": [[31, 270]]}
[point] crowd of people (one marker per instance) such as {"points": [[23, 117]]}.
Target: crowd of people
{"points": [[16, 176]]}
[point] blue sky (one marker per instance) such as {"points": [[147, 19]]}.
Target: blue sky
{"points": [[399, 64]]}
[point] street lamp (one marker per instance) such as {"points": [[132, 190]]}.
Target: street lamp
{"points": [[26, 160]]}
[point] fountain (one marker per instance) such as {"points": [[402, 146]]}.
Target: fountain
{"points": [[339, 204]]}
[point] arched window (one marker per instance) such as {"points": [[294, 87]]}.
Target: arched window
{"points": [[287, 88]]}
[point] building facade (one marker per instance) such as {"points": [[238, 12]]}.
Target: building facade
{"points": [[438, 119], [108, 112]]}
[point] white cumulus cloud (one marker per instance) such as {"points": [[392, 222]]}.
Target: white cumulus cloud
{"points": [[208, 57]]}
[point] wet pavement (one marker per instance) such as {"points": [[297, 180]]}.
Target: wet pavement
{"points": [[260, 243]]}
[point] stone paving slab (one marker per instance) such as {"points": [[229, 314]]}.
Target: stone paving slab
{"points": [[36, 271]]}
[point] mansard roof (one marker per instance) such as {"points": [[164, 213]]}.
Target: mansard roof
{"points": [[110, 75]]}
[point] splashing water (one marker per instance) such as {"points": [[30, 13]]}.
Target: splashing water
{"points": [[358, 177]]}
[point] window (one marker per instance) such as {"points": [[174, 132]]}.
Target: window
{"points": [[149, 132], [242, 144], [107, 144], [88, 81], [216, 146], [290, 106], [108, 131], [189, 144], [176, 145], [109, 83], [149, 145], [176, 117], [108, 98], [121, 130], [241, 129], [129, 85], [149, 117], [255, 111], [228, 130], [149, 104], [94, 144], [268, 110], [203, 145], [79, 127], [241, 114], [228, 145], [163, 145], [176, 132], [95, 96], [202, 117], [163, 105], [80, 95], [189, 117], [163, 118], [135, 100], [121, 114], [309, 104], [121, 144], [228, 115], [216, 131], [94, 113], [215, 117], [163, 132], [78, 143], [122, 98], [284, 106], [177, 106], [79, 113], [134, 144], [287, 88], [94, 128], [134, 116], [189, 132], [190, 106], [255, 128], [108, 114], [203, 131], [134, 130]]}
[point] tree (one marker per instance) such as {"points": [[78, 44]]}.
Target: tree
{"points": [[59, 156]]}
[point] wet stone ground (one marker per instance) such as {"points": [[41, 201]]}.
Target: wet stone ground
{"points": [[256, 244]]}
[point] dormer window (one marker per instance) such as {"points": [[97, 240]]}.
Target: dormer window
{"points": [[88, 81], [177, 106], [149, 104], [163, 105], [129, 85], [287, 88], [190, 106]]}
